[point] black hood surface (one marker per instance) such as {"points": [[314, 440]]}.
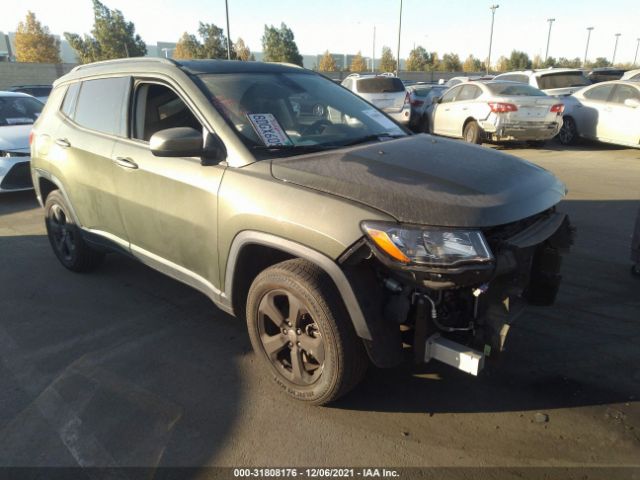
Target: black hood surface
{"points": [[426, 180]]}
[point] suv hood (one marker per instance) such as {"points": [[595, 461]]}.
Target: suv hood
{"points": [[423, 180], [15, 137], [562, 92]]}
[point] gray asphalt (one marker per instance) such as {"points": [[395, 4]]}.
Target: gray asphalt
{"points": [[127, 367]]}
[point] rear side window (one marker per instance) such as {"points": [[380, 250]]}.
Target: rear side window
{"points": [[69, 104], [469, 92], [380, 85], [101, 105], [599, 93]]}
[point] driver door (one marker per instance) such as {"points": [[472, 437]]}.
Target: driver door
{"points": [[168, 205]]}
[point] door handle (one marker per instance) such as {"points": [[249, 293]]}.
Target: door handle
{"points": [[125, 162], [465, 108], [63, 142]]}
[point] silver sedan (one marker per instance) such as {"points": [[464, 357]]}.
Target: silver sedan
{"points": [[608, 112], [496, 111]]}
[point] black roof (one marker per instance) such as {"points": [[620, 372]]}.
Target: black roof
{"points": [[235, 66]]}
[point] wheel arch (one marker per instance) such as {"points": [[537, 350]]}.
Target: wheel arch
{"points": [[242, 268], [466, 122]]}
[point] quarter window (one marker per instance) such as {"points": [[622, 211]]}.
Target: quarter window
{"points": [[101, 105], [69, 103], [469, 92]]}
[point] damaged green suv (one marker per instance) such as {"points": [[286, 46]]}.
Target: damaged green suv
{"points": [[289, 201]]}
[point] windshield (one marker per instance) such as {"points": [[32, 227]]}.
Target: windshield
{"points": [[280, 112], [19, 110], [514, 90], [562, 80]]}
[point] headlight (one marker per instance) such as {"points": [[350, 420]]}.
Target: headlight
{"points": [[428, 245]]}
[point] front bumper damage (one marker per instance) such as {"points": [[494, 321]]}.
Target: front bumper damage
{"points": [[459, 315]]}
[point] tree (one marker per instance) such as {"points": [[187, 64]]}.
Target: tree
{"points": [[549, 62], [214, 41], [503, 64], [569, 63], [472, 64], [242, 51], [600, 62], [418, 59], [113, 37], [537, 62], [188, 47], [327, 63], [278, 45], [34, 43], [450, 63], [434, 62], [358, 64], [387, 61], [519, 61]]}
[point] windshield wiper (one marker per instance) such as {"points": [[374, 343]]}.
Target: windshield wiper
{"points": [[297, 148], [370, 138]]}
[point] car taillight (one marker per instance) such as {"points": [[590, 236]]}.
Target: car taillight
{"points": [[407, 100], [417, 103], [30, 137], [558, 108], [499, 107]]}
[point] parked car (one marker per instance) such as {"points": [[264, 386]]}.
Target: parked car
{"points": [[339, 242], [385, 91], [457, 80], [552, 81], [631, 75], [41, 92], [421, 96], [18, 111], [605, 74], [608, 112], [496, 111]]}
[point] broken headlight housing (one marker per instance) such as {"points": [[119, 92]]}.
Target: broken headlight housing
{"points": [[429, 246]]}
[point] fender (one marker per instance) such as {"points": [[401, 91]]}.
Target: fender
{"points": [[330, 267]]}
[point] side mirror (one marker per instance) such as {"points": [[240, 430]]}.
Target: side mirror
{"points": [[632, 102], [214, 150], [176, 142]]}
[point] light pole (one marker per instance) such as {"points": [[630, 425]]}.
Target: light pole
{"points": [[493, 15], [373, 53], [584, 64], [550, 20], [399, 31], [615, 48], [226, 4], [636, 55], [166, 51]]}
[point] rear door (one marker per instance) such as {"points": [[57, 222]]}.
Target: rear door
{"points": [[93, 116], [620, 123], [465, 106], [169, 205]]}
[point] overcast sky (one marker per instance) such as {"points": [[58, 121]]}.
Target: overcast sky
{"points": [[347, 26]]}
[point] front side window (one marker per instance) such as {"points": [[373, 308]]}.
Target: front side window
{"points": [[101, 105], [157, 107], [624, 92], [450, 96], [600, 94], [273, 112], [18, 110]]}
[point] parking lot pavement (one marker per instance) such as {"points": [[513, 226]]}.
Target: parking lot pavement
{"points": [[127, 367]]}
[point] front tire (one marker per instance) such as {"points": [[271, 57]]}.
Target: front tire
{"points": [[568, 133], [472, 133], [302, 334], [65, 236]]}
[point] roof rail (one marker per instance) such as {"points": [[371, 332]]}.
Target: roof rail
{"points": [[353, 75], [387, 74], [166, 61]]}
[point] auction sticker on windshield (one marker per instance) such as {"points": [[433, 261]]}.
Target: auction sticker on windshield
{"points": [[383, 121], [268, 129]]}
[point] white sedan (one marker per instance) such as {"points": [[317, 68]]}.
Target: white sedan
{"points": [[607, 111], [496, 111]]}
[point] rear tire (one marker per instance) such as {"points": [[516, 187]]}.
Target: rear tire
{"points": [[302, 333], [66, 238], [472, 133], [568, 134]]}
